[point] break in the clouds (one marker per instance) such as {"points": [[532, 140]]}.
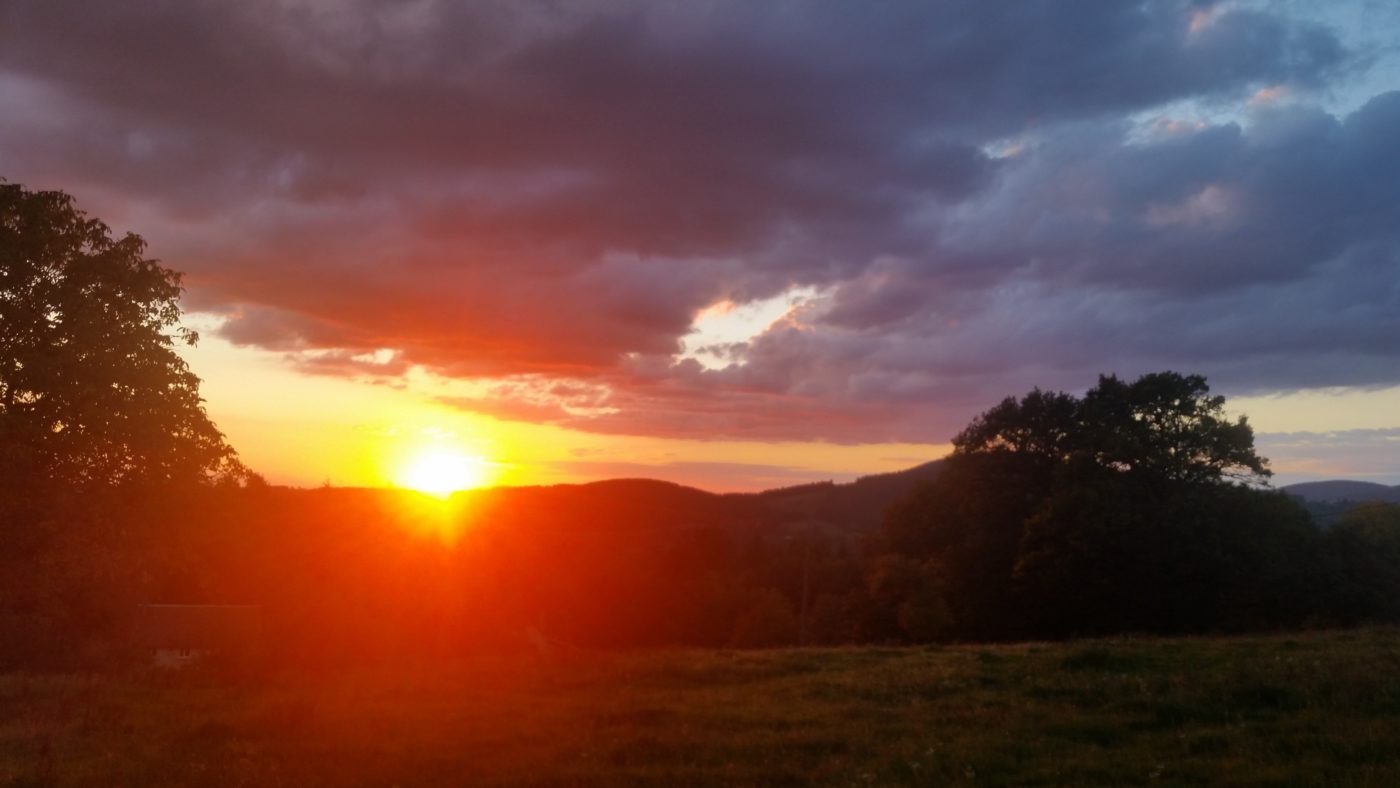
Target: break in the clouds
{"points": [[542, 200], [1369, 454]]}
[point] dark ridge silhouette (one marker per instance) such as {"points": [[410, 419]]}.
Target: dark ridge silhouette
{"points": [[1344, 490], [850, 508], [855, 507]]}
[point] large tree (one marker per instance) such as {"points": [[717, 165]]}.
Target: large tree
{"points": [[1165, 425], [92, 392], [1132, 507]]}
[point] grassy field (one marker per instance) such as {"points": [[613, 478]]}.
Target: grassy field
{"points": [[1313, 709]]}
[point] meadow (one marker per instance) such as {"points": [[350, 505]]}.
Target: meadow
{"points": [[1298, 709]]}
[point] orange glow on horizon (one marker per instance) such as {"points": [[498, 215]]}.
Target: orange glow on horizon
{"points": [[313, 430]]}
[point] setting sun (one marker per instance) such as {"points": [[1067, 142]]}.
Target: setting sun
{"points": [[443, 471]]}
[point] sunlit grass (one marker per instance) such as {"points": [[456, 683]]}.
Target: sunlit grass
{"points": [[1320, 709]]}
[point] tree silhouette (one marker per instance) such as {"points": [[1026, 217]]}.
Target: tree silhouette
{"points": [[1169, 427], [92, 393], [1127, 508], [1164, 425]]}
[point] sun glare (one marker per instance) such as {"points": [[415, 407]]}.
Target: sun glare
{"points": [[442, 472]]}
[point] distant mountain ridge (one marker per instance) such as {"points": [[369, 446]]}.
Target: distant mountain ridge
{"points": [[1344, 490], [649, 508]]}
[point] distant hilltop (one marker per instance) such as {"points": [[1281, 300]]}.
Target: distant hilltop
{"points": [[1344, 490]]}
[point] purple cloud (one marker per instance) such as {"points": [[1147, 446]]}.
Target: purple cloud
{"points": [[544, 199]]}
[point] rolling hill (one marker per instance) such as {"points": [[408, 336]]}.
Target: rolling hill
{"points": [[620, 505], [1344, 490]]}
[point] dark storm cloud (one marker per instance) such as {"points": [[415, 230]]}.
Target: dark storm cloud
{"points": [[532, 193]]}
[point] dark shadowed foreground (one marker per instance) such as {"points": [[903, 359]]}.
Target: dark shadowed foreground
{"points": [[1308, 709]]}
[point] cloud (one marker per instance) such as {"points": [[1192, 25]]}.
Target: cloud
{"points": [[541, 200]]}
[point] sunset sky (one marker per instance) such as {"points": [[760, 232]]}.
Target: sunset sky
{"points": [[736, 245]]}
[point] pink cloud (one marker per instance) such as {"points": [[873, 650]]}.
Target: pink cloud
{"points": [[541, 200]]}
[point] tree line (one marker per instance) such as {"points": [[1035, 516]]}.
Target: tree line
{"points": [[1138, 507]]}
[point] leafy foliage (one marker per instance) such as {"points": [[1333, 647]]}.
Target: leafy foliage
{"points": [[1164, 425], [91, 389], [1168, 426], [102, 427], [1121, 510]]}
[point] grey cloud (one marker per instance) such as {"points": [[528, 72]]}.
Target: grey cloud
{"points": [[522, 191]]}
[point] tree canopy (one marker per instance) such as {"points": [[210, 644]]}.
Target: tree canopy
{"points": [[1136, 506], [1163, 425], [92, 392]]}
